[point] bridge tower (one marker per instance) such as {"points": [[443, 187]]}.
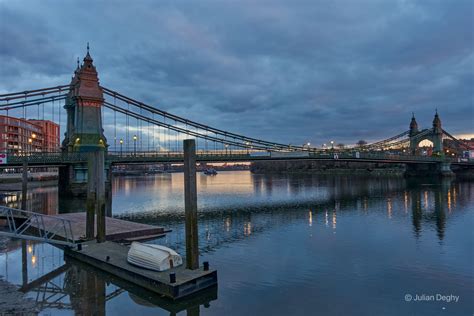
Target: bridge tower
{"points": [[84, 103], [435, 135], [85, 134]]}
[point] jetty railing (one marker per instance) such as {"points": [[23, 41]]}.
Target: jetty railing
{"points": [[35, 226]]}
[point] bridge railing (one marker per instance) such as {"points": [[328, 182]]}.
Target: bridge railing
{"points": [[59, 158], [46, 158]]}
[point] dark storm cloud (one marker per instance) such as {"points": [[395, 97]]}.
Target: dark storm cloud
{"points": [[288, 72]]}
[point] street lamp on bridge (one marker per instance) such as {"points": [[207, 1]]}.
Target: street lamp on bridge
{"points": [[121, 143], [135, 145], [332, 144], [226, 146]]}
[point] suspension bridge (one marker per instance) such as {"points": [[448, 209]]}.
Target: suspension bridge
{"points": [[150, 135], [142, 133]]}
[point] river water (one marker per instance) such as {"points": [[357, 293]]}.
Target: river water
{"points": [[282, 245]]}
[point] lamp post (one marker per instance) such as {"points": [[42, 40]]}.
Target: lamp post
{"points": [[332, 144], [226, 146], [134, 145], [247, 143], [121, 143], [30, 141]]}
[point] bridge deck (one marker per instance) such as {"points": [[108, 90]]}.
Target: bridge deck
{"points": [[116, 229]]}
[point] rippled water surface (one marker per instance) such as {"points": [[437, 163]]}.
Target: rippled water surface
{"points": [[282, 245]]}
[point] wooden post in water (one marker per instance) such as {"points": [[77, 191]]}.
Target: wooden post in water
{"points": [[190, 204], [100, 194], [24, 183], [91, 196], [108, 193], [95, 196], [24, 263]]}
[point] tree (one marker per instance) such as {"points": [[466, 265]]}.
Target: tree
{"points": [[361, 143]]}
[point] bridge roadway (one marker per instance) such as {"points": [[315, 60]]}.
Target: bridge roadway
{"points": [[60, 159]]}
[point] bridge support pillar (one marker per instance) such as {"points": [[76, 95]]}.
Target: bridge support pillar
{"points": [[440, 169], [73, 180], [444, 169]]}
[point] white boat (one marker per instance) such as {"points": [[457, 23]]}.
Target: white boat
{"points": [[153, 257]]}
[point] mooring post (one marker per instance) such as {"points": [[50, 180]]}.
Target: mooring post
{"points": [[100, 194], [24, 263], [24, 183], [190, 204], [108, 193], [91, 196]]}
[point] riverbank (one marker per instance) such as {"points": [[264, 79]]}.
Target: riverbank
{"points": [[13, 302], [332, 167], [36, 176]]}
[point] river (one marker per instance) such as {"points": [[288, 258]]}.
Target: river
{"points": [[282, 245]]}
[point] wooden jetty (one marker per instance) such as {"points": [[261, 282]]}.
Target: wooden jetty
{"points": [[112, 258], [116, 229]]}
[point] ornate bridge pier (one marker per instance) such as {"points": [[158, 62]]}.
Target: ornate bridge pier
{"points": [[84, 132]]}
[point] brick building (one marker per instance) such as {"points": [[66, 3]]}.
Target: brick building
{"points": [[27, 136]]}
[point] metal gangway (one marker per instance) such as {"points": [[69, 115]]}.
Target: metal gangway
{"points": [[35, 226]]}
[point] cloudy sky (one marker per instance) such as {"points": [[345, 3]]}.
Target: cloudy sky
{"points": [[286, 71]]}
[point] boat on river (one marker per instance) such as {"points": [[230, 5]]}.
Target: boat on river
{"points": [[153, 257], [210, 172]]}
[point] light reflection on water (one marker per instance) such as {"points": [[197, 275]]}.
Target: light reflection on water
{"points": [[282, 244]]}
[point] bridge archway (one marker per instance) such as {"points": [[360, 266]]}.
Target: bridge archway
{"points": [[433, 135]]}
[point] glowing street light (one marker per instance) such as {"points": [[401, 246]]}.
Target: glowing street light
{"points": [[121, 143], [135, 145], [332, 144]]}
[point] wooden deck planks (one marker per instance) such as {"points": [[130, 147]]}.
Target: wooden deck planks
{"points": [[116, 229]]}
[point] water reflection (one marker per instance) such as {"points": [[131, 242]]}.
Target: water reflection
{"points": [[252, 227], [57, 283]]}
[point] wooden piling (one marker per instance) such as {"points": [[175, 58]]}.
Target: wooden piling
{"points": [[91, 196], [95, 195], [108, 193], [24, 184], [24, 263], [100, 195], [190, 204]]}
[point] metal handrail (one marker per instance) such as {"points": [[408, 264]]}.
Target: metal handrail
{"points": [[36, 222]]}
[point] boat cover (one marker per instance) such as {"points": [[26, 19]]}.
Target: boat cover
{"points": [[153, 257]]}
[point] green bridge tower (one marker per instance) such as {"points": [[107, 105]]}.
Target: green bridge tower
{"points": [[84, 132]]}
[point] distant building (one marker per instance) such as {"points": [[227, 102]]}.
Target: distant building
{"points": [[456, 147], [27, 136], [50, 135]]}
